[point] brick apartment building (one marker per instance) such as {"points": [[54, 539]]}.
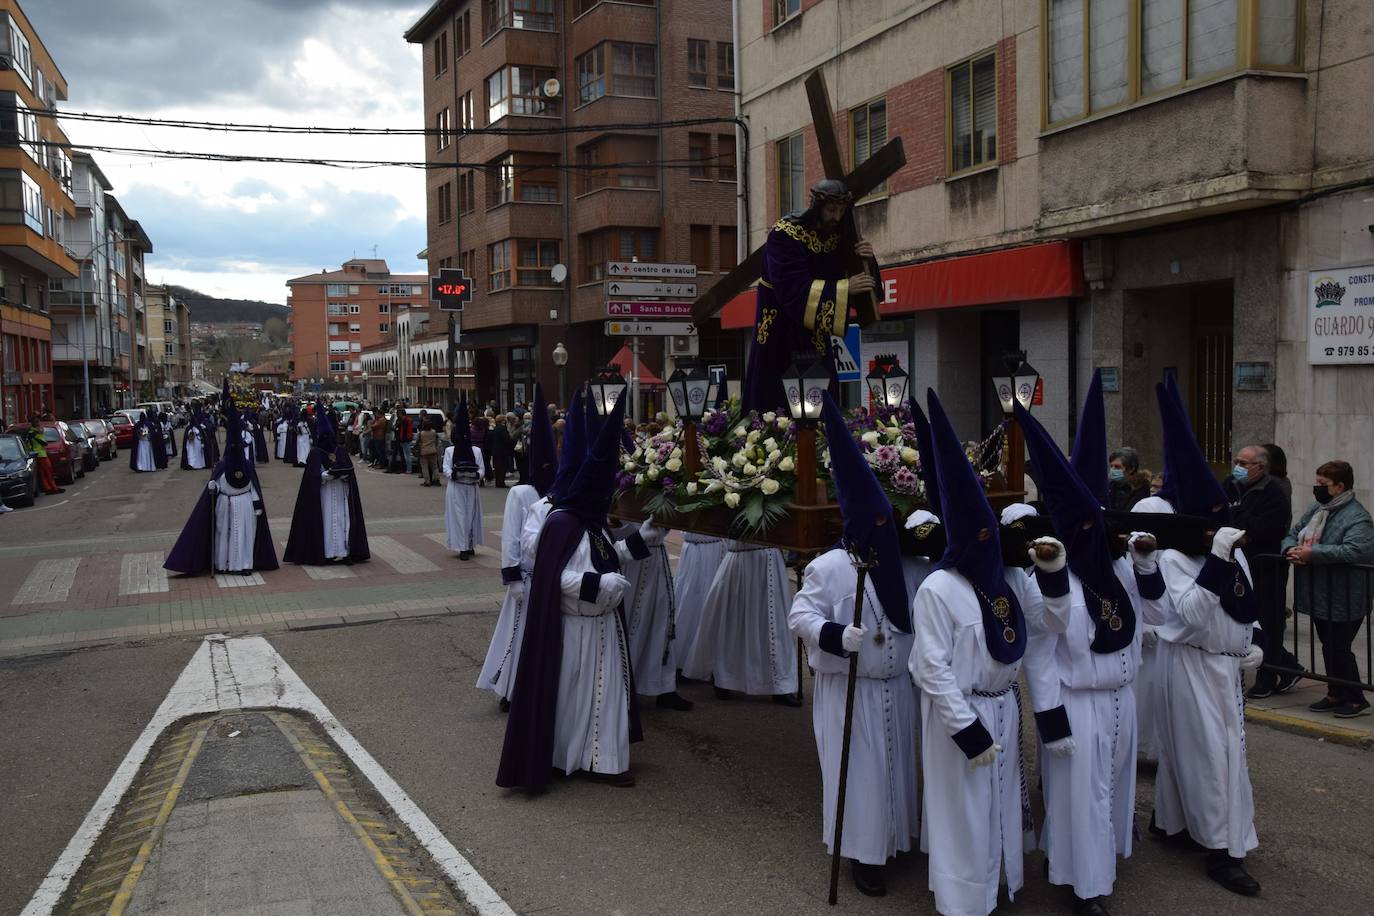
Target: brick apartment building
{"points": [[1159, 189], [581, 185], [337, 314]]}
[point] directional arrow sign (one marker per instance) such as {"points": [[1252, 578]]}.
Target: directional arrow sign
{"points": [[615, 269], [619, 289], [649, 328], [648, 308]]}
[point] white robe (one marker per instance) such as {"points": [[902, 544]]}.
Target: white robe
{"points": [[882, 812], [1089, 795], [302, 443], [195, 452], [592, 723], [168, 443], [236, 527], [650, 615], [144, 457], [503, 654], [334, 513], [1203, 781], [743, 643], [535, 517], [696, 569], [462, 506], [249, 448], [975, 822], [282, 427]]}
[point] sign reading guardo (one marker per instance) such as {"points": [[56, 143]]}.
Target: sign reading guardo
{"points": [[1340, 309]]}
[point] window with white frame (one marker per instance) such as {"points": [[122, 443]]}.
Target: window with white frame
{"points": [[337, 308], [338, 365], [384, 308], [355, 310], [336, 289], [338, 346], [355, 327], [334, 330]]}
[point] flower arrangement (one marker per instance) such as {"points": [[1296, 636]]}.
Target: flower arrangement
{"points": [[888, 441]]}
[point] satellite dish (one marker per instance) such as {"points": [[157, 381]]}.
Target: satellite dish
{"points": [[559, 273], [552, 88]]}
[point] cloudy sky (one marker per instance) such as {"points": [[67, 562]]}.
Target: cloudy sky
{"points": [[243, 229]]}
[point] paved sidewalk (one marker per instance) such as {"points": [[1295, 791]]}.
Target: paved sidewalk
{"points": [[254, 813], [1289, 712]]}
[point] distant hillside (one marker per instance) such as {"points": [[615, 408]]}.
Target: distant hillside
{"points": [[209, 309]]}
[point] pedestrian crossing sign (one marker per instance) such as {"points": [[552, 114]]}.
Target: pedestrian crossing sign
{"points": [[846, 350]]}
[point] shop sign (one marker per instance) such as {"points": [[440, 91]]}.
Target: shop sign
{"points": [[1340, 316]]}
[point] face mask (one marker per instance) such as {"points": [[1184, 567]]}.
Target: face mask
{"points": [[1116, 474], [1322, 494], [1240, 473]]}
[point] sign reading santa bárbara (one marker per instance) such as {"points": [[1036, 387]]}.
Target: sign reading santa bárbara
{"points": [[1340, 309]]}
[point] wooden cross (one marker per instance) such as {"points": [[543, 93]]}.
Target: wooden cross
{"points": [[871, 173]]}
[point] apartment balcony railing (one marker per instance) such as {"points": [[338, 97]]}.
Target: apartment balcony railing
{"points": [[98, 355]]}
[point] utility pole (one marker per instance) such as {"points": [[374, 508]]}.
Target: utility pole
{"points": [[452, 358]]}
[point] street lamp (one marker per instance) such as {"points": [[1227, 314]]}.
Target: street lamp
{"points": [[887, 382], [560, 359], [1016, 385], [688, 386], [390, 380], [608, 386]]}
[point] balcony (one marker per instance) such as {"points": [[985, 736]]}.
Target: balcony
{"points": [[71, 353], [142, 340]]}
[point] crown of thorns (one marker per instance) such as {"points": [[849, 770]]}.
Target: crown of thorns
{"points": [[829, 190]]}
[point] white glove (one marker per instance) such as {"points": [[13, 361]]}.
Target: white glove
{"points": [[1224, 542], [1052, 565], [1064, 747], [853, 638], [921, 517], [612, 588], [651, 533], [1149, 637], [212, 487], [985, 758], [1142, 554], [1254, 657]]}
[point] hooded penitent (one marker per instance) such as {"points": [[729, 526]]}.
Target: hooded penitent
{"points": [[973, 547], [305, 542], [1078, 520], [542, 454], [1089, 459], [589, 497], [237, 470], [870, 528], [574, 447]]}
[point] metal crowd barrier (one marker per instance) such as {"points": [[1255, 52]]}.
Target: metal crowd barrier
{"points": [[1287, 598]]}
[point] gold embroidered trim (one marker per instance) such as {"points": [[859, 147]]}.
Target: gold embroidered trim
{"points": [[763, 282], [813, 299], [841, 307], [808, 237], [765, 321], [825, 320]]}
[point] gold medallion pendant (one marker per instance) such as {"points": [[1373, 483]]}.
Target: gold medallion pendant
{"points": [[1240, 590], [1114, 622], [1009, 634]]}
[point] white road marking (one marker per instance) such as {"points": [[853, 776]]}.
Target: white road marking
{"points": [[247, 673], [329, 572], [235, 580], [401, 558], [48, 581], [142, 574], [53, 506]]}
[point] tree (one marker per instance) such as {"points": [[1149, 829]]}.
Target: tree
{"points": [[274, 329]]}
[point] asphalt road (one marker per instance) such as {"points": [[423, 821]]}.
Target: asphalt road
{"points": [[726, 816]]}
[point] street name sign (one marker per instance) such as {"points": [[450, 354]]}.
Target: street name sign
{"points": [[617, 269], [649, 328], [648, 308], [618, 289]]}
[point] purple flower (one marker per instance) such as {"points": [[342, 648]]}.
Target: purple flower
{"points": [[904, 481], [667, 482]]}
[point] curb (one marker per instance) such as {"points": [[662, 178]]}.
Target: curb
{"points": [[1333, 733]]}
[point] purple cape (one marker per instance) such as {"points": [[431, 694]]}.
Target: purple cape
{"points": [[289, 454], [204, 450], [260, 444], [305, 543], [193, 553], [527, 754], [158, 443]]}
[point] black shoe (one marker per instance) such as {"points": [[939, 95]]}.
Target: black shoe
{"points": [[673, 700], [1090, 907], [1352, 710], [1286, 682], [788, 699], [617, 780], [1261, 691], [1230, 873], [723, 694], [504, 705], [869, 879], [1326, 704]]}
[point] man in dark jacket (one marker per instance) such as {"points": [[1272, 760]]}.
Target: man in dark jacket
{"points": [[1260, 509], [501, 450]]}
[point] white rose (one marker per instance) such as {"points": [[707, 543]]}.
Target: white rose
{"points": [[732, 500], [749, 469], [630, 465], [741, 430], [639, 480], [676, 453], [715, 486], [692, 488], [739, 460], [769, 417], [720, 464], [784, 422], [652, 473], [786, 464], [769, 486], [754, 436], [893, 433], [871, 437], [909, 455], [770, 443], [775, 454], [673, 464]]}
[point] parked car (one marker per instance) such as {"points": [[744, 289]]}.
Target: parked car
{"points": [[90, 459], [18, 479], [134, 413], [103, 433], [64, 449], [123, 426]]}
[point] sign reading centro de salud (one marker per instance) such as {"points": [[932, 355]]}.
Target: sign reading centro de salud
{"points": [[1340, 313]]}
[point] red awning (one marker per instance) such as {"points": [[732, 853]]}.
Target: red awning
{"points": [[622, 360], [1050, 270]]}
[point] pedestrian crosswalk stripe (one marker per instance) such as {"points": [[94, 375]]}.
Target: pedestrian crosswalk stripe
{"points": [[48, 581], [142, 574], [401, 558], [234, 580], [329, 572]]}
